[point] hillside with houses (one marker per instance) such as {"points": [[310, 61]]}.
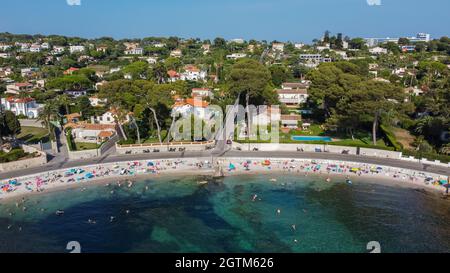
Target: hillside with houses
{"points": [[390, 94]]}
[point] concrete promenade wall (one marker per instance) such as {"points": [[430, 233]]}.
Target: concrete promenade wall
{"points": [[317, 147], [150, 147], [333, 149], [40, 160], [87, 154]]}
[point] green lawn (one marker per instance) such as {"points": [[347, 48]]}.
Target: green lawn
{"points": [[314, 130], [33, 135], [80, 146], [363, 141]]}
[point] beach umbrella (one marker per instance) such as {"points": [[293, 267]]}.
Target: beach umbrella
{"points": [[150, 164], [266, 163]]}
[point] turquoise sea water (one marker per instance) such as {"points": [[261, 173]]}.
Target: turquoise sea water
{"points": [[177, 214]]}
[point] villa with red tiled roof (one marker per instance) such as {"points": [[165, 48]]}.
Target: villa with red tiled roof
{"points": [[70, 71], [21, 106], [193, 73], [17, 88], [91, 133], [192, 106], [173, 75]]}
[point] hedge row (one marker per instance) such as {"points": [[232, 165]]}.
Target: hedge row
{"points": [[13, 155]]}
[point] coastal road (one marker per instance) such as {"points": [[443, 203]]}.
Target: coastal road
{"points": [[242, 154]]}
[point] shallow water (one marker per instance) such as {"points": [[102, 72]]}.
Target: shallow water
{"points": [[180, 215]]}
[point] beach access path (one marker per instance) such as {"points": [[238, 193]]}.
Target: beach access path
{"points": [[207, 155]]}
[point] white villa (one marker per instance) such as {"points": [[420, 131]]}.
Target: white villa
{"points": [[378, 50], [176, 53], [193, 73], [202, 92], [95, 101], [134, 51], [293, 94], [91, 133], [26, 107], [109, 118], [76, 49], [58, 50], [194, 106], [236, 56], [292, 97], [278, 47]]}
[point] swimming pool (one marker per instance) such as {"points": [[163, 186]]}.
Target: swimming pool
{"points": [[311, 138]]}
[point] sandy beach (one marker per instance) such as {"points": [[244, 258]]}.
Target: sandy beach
{"points": [[126, 172]]}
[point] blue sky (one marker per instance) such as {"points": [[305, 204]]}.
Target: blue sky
{"points": [[293, 20]]}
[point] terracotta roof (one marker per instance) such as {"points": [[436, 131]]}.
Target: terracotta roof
{"points": [[18, 100], [72, 116], [105, 134], [173, 74], [23, 84], [71, 70], [90, 126], [179, 104], [191, 68], [197, 103], [192, 102]]}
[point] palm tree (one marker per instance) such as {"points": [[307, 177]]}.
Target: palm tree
{"points": [[423, 124], [48, 114], [65, 101]]}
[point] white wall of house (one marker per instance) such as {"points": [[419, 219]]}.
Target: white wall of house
{"points": [[19, 107]]}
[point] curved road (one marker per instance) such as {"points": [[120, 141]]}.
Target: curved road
{"points": [[207, 155]]}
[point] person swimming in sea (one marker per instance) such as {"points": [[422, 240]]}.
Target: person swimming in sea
{"points": [[111, 219], [254, 197]]}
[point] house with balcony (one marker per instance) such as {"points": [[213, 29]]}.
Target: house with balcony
{"points": [[91, 133], [76, 49], [193, 73], [292, 97], [17, 88], [202, 93], [25, 107], [193, 106]]}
